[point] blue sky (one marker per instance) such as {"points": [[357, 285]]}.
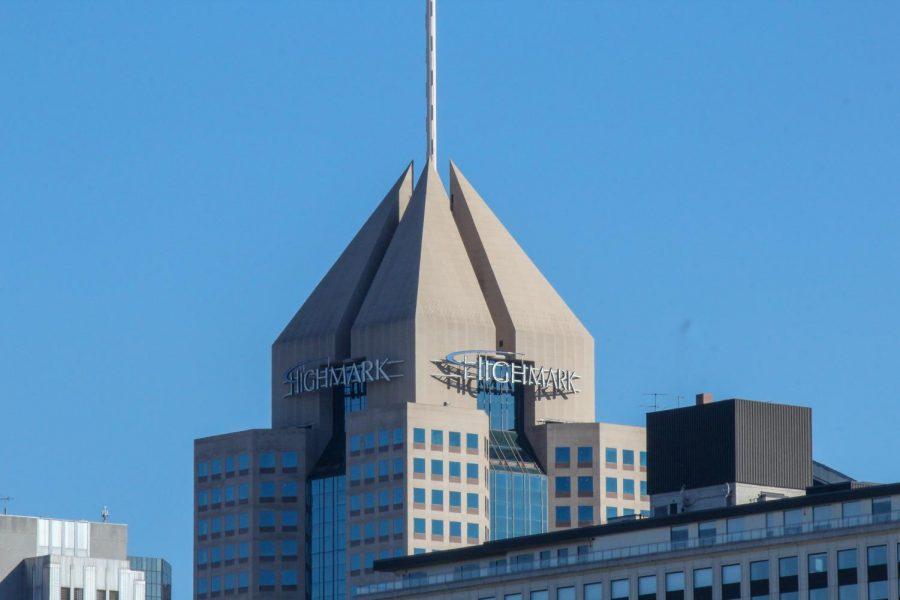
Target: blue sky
{"points": [[713, 187]]}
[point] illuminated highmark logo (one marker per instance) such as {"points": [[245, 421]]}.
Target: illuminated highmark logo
{"points": [[313, 375], [492, 367]]}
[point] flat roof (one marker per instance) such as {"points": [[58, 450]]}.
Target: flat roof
{"points": [[493, 548]]}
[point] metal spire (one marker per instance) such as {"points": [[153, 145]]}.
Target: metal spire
{"points": [[431, 82]]}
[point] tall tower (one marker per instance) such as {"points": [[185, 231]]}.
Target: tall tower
{"points": [[425, 396]]}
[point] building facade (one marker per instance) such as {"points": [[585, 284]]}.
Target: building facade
{"points": [[52, 559], [157, 576], [834, 544], [433, 392]]}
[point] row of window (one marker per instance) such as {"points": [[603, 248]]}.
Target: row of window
{"points": [[384, 498], [454, 439], [437, 499], [585, 456], [240, 494], [366, 441], [229, 553], [383, 469], [437, 469], [383, 529], [365, 560], [241, 521], [230, 465], [240, 582], [585, 514], [563, 486], [734, 583], [454, 529]]}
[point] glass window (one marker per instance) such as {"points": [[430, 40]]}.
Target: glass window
{"points": [[288, 460], [472, 471], [876, 563], [455, 529], [418, 435], [643, 488], [703, 580], [619, 589], [585, 514], [562, 455], [383, 468], [455, 469], [384, 438], [565, 593], [731, 582], [369, 440], [647, 587], [472, 501], [267, 490], [437, 497], [586, 486], [369, 470], [419, 466], [612, 456], [822, 516], [398, 436], [788, 578], [593, 591], [437, 527], [585, 456], [675, 586], [472, 531], [472, 441], [419, 526], [881, 509], [355, 443], [202, 469], [759, 580], [437, 437], [289, 489], [611, 485], [455, 498], [455, 439], [244, 462], [848, 577], [289, 518], [628, 458], [679, 536], [437, 467], [611, 512], [267, 460], [563, 516], [419, 495], [398, 495], [643, 457], [563, 485], [706, 532], [628, 487], [216, 466], [853, 509], [512, 597]]}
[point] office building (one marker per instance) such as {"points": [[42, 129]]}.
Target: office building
{"points": [[52, 559], [738, 513], [157, 576]]}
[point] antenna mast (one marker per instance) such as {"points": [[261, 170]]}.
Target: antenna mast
{"points": [[431, 82], [5, 500]]}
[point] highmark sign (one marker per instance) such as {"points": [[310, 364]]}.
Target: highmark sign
{"points": [[504, 368], [313, 375]]}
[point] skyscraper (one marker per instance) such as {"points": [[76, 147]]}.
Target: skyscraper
{"points": [[433, 391]]}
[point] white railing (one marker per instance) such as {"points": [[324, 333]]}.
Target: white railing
{"points": [[467, 572]]}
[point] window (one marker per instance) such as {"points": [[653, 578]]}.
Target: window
{"points": [[455, 500], [585, 456], [611, 512], [852, 509], [355, 473], [512, 597], [437, 437], [266, 580], [216, 468], [419, 495], [731, 582], [563, 487], [612, 486], [437, 498], [586, 486], [565, 593], [472, 472], [643, 489], [398, 436], [876, 563], [419, 436], [848, 577], [679, 537], [647, 587], [562, 456], [267, 491], [472, 441], [289, 580], [455, 440], [788, 578], [706, 532], [384, 499], [455, 470], [563, 516], [419, 466], [419, 526], [267, 550], [437, 528], [817, 576], [472, 501], [793, 521], [384, 469], [455, 529], [289, 491], [472, 531], [384, 438], [437, 468], [585, 515], [675, 586], [369, 471], [881, 510], [201, 500], [289, 462], [612, 456], [619, 589], [703, 581], [289, 519], [593, 591], [628, 459], [628, 487], [822, 517], [643, 458], [369, 440], [267, 520], [759, 580], [267, 462], [355, 533]]}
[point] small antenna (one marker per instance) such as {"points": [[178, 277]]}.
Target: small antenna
{"points": [[655, 405], [104, 514], [431, 83], [5, 500]]}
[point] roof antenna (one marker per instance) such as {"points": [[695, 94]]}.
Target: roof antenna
{"points": [[5, 500], [104, 514], [655, 404], [431, 82]]}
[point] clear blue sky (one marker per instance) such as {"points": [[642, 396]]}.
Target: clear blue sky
{"points": [[175, 179]]}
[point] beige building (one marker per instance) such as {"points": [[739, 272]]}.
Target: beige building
{"points": [[832, 545], [433, 392]]}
